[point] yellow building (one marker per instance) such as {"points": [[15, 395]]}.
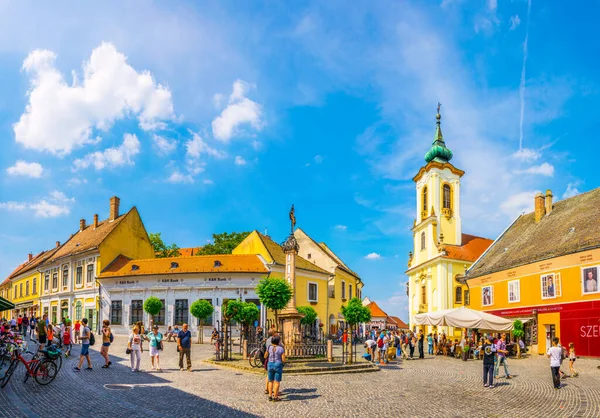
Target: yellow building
{"points": [[68, 285], [343, 285], [544, 269], [6, 306], [441, 251]]}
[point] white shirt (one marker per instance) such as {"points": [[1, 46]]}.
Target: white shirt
{"points": [[555, 354]]}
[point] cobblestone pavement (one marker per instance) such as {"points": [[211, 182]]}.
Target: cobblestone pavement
{"points": [[433, 387]]}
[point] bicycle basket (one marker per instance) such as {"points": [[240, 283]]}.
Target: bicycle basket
{"points": [[52, 354]]}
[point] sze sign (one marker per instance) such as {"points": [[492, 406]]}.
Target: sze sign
{"points": [[590, 331]]}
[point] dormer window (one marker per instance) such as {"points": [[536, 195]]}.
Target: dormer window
{"points": [[309, 256], [174, 265], [134, 267], [217, 264]]}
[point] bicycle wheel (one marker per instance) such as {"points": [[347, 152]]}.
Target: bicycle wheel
{"points": [[45, 372], [9, 372], [258, 360], [251, 357]]}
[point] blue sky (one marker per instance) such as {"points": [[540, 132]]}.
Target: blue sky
{"points": [[217, 117]]}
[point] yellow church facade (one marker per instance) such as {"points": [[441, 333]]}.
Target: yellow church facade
{"points": [[441, 251]]}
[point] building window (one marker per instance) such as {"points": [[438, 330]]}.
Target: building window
{"points": [[514, 291], [78, 276], [181, 311], [309, 256], [313, 294], [467, 297], [423, 295], [343, 290], [458, 295], [447, 198], [65, 282], [90, 273], [551, 286], [27, 288], [21, 290], [424, 199], [78, 310], [137, 311], [422, 241], [160, 318], [54, 281], [116, 312], [54, 318], [34, 286], [349, 291], [47, 282]]}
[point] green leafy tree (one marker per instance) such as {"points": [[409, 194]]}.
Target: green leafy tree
{"points": [[355, 313], [247, 314], [275, 294], [310, 315], [201, 309], [161, 249], [152, 307], [223, 243], [518, 332]]}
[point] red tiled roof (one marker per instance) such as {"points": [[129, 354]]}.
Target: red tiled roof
{"points": [[376, 310], [472, 247], [400, 323]]}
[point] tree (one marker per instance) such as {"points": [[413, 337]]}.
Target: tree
{"points": [[152, 307], [310, 315], [201, 309], [223, 243], [275, 294], [161, 249], [518, 333], [246, 315], [355, 313]]}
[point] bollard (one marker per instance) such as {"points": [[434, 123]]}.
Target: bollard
{"points": [[330, 350], [245, 350]]}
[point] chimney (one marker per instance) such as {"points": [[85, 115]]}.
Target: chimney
{"points": [[95, 221], [548, 201], [540, 209], [114, 208], [30, 256], [82, 224], [57, 244]]}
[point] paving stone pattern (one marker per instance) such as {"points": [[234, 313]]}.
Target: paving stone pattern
{"points": [[433, 387]]}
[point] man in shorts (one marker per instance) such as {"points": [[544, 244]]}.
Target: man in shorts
{"points": [[85, 346], [41, 329]]}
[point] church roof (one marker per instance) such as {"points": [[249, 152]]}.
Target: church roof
{"points": [[471, 249], [438, 151], [572, 226]]}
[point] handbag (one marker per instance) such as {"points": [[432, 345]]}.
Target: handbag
{"points": [[128, 351], [160, 345]]}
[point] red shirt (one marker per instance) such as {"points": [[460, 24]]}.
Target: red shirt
{"points": [[77, 326], [19, 321]]}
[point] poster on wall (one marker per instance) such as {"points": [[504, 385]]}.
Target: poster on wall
{"points": [[590, 279], [487, 295], [551, 285]]}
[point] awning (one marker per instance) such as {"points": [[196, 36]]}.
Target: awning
{"points": [[6, 305], [464, 318]]}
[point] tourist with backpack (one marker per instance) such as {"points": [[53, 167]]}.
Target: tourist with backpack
{"points": [[107, 339], [87, 339], [66, 339]]}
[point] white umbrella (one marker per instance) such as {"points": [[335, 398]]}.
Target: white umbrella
{"points": [[464, 318]]}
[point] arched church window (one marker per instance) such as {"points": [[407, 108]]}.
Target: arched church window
{"points": [[458, 295], [425, 199], [447, 196], [422, 241]]}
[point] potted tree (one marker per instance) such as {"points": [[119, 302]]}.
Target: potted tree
{"points": [[201, 309], [152, 307], [275, 294]]}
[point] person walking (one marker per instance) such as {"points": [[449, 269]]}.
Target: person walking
{"points": [[502, 352], [572, 358], [66, 339], [106, 341], [554, 353], [32, 324], [421, 342], [430, 345], [156, 344], [412, 342], [275, 356], [77, 331], [184, 345], [41, 327], [85, 346], [135, 347], [25, 325], [489, 352]]}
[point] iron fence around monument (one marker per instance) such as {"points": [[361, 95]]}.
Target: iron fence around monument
{"points": [[311, 341]]}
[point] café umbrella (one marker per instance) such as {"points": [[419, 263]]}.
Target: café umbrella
{"points": [[464, 318]]}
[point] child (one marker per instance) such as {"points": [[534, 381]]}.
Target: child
{"points": [[50, 334], [66, 339], [572, 358]]}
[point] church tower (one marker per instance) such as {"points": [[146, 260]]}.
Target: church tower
{"points": [[440, 250]]}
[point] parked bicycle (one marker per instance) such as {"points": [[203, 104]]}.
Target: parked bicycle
{"points": [[43, 369]]}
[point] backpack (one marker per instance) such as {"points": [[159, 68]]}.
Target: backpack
{"points": [[380, 343], [111, 337], [92, 338]]}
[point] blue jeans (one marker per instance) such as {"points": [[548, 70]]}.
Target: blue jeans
{"points": [[488, 374], [430, 348], [275, 371], [497, 367]]}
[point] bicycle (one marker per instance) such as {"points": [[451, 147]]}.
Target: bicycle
{"points": [[43, 370], [256, 358]]}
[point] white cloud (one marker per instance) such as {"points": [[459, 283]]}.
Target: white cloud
{"points": [[60, 117], [544, 169], [519, 203], [23, 168], [240, 161], [178, 177], [196, 146], [514, 22], [56, 204], [492, 5], [164, 146], [111, 157], [318, 159], [341, 227], [526, 154], [208, 181], [571, 191], [77, 181], [240, 111], [373, 256]]}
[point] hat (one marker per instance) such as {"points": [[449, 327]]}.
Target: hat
{"points": [[155, 327]]}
